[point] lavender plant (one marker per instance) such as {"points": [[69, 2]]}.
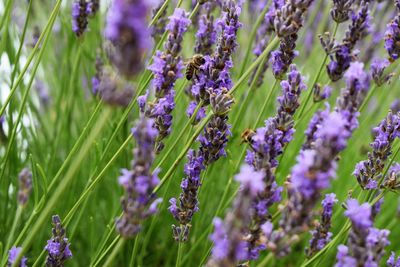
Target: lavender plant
{"points": [[86, 82]]}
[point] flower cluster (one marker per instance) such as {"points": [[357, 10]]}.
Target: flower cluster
{"points": [[264, 35], [321, 235], [80, 13], [206, 35], [229, 247], [216, 133], [341, 54], [58, 246], [25, 186], [12, 256], [214, 73], [287, 23], [266, 144], [167, 67], [367, 171], [126, 28], [393, 261], [341, 10], [392, 35], [378, 67], [139, 201], [366, 244], [352, 96], [188, 202]]}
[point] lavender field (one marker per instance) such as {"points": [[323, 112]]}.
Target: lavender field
{"points": [[200, 133]]}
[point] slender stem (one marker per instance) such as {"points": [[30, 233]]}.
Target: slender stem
{"points": [[135, 250], [115, 252], [253, 34], [159, 13], [317, 76], [266, 260], [179, 255], [63, 186], [46, 32], [265, 105], [11, 235]]}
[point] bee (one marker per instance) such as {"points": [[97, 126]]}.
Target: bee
{"points": [[193, 66], [247, 135]]}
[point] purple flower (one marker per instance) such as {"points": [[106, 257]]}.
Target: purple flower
{"points": [[341, 58], [80, 12], [188, 200], [191, 109], [352, 96], [393, 261], [392, 35], [343, 258], [360, 215], [206, 35], [58, 246], [366, 244], [229, 244], [25, 186], [167, 67], [250, 179], [287, 23], [266, 144], [378, 67], [214, 73], [139, 201], [321, 235], [12, 256], [367, 171], [341, 10], [215, 136], [126, 28], [264, 35]]}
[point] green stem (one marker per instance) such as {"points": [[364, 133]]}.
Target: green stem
{"points": [[15, 224], [47, 31], [159, 13], [253, 34], [63, 186], [316, 78], [114, 253], [179, 255]]}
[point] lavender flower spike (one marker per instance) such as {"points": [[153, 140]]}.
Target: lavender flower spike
{"points": [[206, 35], [378, 67], [12, 256], [366, 244], [215, 136], [58, 246], [392, 35], [393, 261], [321, 235], [287, 23], [229, 247], [342, 57], [266, 144], [126, 28], [188, 201], [214, 73], [341, 10], [25, 186], [167, 67], [139, 201], [80, 13], [367, 171]]}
